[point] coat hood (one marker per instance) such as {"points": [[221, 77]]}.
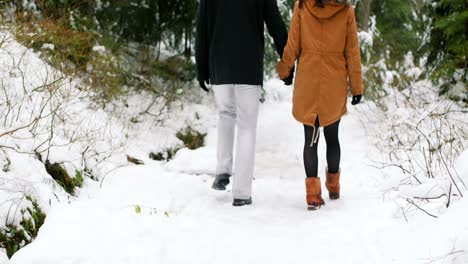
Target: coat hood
{"points": [[330, 8]]}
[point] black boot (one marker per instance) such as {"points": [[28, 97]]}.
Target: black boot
{"points": [[242, 202], [221, 181]]}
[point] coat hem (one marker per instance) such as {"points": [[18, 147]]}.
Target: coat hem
{"points": [[321, 125]]}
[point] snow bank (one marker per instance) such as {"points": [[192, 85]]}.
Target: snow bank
{"points": [[184, 161], [26, 176], [442, 240], [22, 174], [3, 257], [47, 113], [462, 166]]}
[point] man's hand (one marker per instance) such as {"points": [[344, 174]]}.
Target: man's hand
{"points": [[203, 85], [356, 99], [288, 81]]}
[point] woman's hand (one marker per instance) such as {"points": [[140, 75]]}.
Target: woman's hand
{"points": [[289, 80], [356, 99]]}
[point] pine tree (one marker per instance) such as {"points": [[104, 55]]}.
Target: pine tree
{"points": [[448, 45], [396, 28]]}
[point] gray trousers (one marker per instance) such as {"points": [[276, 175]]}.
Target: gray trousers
{"points": [[237, 104]]}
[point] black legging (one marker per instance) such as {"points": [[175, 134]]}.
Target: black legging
{"points": [[310, 148]]}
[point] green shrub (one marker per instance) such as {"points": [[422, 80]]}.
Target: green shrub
{"points": [[13, 238], [89, 173], [6, 166], [61, 176], [191, 138], [77, 181], [174, 68], [108, 77], [73, 54], [70, 45], [373, 83], [75, 27], [164, 155]]}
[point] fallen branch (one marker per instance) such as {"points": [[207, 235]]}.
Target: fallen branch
{"points": [[19, 128], [417, 206]]}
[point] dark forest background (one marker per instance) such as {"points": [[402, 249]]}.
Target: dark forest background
{"points": [[149, 43]]}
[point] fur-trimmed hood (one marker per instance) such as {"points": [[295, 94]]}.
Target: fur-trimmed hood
{"points": [[330, 7]]}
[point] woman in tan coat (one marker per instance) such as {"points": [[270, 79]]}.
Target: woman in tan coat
{"points": [[323, 38]]}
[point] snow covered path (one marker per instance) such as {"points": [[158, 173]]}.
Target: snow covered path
{"points": [[182, 220]]}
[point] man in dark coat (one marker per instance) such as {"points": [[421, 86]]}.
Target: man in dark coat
{"points": [[229, 54]]}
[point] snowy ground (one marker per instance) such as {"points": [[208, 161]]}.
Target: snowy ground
{"points": [[167, 213], [182, 220]]}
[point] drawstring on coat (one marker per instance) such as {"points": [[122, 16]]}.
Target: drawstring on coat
{"points": [[315, 136]]}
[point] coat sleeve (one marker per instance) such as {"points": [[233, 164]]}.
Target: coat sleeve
{"points": [[201, 43], [275, 25], [353, 55], [293, 46]]}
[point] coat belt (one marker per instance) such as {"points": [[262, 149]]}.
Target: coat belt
{"points": [[322, 52]]}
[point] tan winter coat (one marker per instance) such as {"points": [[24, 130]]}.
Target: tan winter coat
{"points": [[325, 42]]}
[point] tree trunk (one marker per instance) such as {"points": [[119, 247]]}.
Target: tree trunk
{"points": [[187, 48], [367, 12]]}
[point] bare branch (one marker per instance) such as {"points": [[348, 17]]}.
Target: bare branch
{"points": [[417, 206]]}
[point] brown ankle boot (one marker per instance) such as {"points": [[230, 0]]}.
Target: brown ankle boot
{"points": [[333, 185], [314, 193]]}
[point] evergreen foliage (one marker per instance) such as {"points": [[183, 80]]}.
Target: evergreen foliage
{"points": [[61, 176], [135, 32], [133, 35], [395, 24], [448, 44], [13, 237], [191, 138]]}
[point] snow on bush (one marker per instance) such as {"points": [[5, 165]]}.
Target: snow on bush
{"points": [[45, 115], [420, 136], [365, 38], [48, 117], [99, 49], [48, 46], [49, 121]]}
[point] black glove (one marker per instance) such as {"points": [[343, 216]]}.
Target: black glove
{"points": [[203, 85], [356, 99], [288, 81]]}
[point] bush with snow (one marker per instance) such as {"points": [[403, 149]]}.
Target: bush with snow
{"points": [[15, 236], [420, 136], [54, 138]]}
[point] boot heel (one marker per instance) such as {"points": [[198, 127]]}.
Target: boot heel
{"points": [[314, 206], [220, 182], [314, 194], [333, 184]]}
